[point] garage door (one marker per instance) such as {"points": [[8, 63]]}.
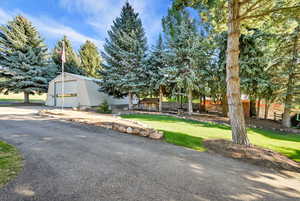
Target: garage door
{"points": [[70, 94]]}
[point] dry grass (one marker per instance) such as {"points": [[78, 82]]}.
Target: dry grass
{"points": [[20, 98]]}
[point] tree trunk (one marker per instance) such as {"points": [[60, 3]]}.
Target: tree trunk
{"points": [[252, 106], [181, 100], [200, 103], [224, 105], [258, 108], [160, 99], [204, 103], [267, 106], [130, 105], [236, 114], [190, 100], [286, 117], [26, 97]]}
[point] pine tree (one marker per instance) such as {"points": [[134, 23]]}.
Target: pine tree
{"points": [[267, 89], [186, 55], [217, 71], [253, 65], [24, 59], [288, 67], [155, 70], [72, 64], [90, 59], [237, 15], [124, 53], [253, 62]]}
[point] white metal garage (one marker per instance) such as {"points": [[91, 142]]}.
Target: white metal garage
{"points": [[79, 91], [70, 91]]}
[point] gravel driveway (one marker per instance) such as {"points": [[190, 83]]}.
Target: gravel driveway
{"points": [[67, 161]]}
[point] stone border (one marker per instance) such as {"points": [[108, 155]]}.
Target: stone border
{"points": [[140, 129]]}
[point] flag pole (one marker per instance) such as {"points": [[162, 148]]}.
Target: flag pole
{"points": [[62, 87], [62, 75]]}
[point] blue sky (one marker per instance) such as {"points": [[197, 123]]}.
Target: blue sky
{"points": [[82, 20]]}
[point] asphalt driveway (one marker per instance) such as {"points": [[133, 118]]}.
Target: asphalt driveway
{"points": [[67, 161]]}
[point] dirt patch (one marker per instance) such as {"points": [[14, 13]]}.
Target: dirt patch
{"points": [[251, 154], [269, 124], [266, 124]]}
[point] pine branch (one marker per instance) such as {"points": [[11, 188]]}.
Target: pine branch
{"points": [[268, 12]]}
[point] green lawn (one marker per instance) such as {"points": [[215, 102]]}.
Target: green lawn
{"points": [[20, 98], [10, 162], [190, 134]]}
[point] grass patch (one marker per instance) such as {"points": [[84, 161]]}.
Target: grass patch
{"points": [[19, 98], [10, 162], [189, 133]]}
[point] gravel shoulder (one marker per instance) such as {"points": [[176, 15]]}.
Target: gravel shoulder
{"points": [[67, 161]]}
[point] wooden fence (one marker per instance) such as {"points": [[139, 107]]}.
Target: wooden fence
{"points": [[278, 116]]}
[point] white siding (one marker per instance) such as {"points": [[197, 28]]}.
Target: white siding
{"points": [[70, 87], [86, 90], [70, 91]]}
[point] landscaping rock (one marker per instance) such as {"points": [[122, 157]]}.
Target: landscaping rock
{"points": [[129, 130], [105, 121], [135, 131], [84, 108], [106, 126], [157, 135], [122, 129], [144, 133]]}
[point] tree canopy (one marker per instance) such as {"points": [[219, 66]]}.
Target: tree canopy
{"points": [[90, 59], [187, 55], [125, 54], [72, 64], [234, 16], [24, 59]]}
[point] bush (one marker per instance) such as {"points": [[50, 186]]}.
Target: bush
{"points": [[104, 108], [295, 121]]}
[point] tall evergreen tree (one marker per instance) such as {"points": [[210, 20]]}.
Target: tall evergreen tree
{"points": [[217, 71], [90, 59], [288, 67], [124, 53], [24, 59], [186, 53], [72, 64], [253, 61], [238, 14], [267, 89], [155, 70]]}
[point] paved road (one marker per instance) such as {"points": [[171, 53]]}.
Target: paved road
{"points": [[70, 162]]}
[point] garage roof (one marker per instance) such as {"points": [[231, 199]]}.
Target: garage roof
{"points": [[84, 77]]}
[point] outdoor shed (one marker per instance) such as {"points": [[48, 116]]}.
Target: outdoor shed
{"points": [[79, 91], [150, 104]]}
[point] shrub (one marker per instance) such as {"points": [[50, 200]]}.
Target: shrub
{"points": [[295, 120], [104, 108]]}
